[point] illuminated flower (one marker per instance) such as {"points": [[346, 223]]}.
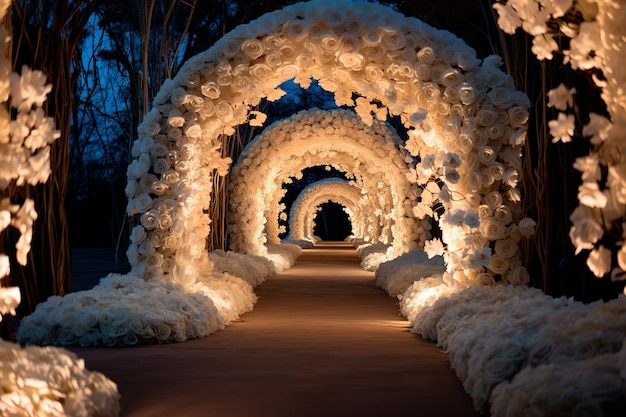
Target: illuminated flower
{"points": [[599, 261], [433, 248], [561, 97], [562, 128]]}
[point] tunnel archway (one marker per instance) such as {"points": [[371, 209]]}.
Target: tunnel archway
{"points": [[464, 118]]}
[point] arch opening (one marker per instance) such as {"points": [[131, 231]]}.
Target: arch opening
{"points": [[331, 222]]}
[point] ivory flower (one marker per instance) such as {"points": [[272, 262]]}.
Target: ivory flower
{"points": [[562, 128], [599, 261]]}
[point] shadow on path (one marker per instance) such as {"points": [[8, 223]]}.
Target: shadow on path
{"points": [[322, 341]]}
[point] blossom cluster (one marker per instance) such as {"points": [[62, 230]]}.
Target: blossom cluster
{"points": [[125, 310], [371, 155], [34, 380], [596, 44], [340, 191], [371, 58], [49, 381], [25, 138], [514, 348]]}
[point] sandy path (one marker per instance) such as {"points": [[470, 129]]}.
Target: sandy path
{"points": [[321, 341]]}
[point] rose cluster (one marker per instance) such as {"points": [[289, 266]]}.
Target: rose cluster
{"points": [[52, 382]]}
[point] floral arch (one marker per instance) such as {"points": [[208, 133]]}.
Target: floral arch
{"points": [[315, 137], [464, 118], [302, 213]]}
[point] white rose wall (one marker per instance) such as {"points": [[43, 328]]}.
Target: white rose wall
{"points": [[465, 125]]}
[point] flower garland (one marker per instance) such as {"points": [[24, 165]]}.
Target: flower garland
{"points": [[597, 41], [302, 213], [35, 381], [315, 137], [464, 118]]}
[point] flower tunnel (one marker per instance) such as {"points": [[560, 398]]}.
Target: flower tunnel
{"points": [[371, 154], [463, 118], [357, 206]]}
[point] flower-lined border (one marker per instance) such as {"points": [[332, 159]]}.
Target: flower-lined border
{"points": [[314, 137], [307, 204], [465, 120]]}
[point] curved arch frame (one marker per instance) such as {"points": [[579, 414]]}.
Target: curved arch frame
{"points": [[450, 101]]}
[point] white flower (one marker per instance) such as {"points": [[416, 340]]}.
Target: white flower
{"points": [[433, 248], [561, 97], [10, 297], [585, 231], [562, 128], [471, 219], [478, 258], [451, 160], [543, 46], [259, 118], [599, 261], [211, 90], [491, 228], [252, 48], [589, 194], [598, 128], [508, 20], [29, 89], [589, 166], [526, 226]]}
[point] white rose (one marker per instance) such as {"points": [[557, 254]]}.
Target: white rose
{"points": [[146, 183], [518, 116], [506, 248], [160, 165], [422, 71], [178, 96], [467, 93], [498, 264], [503, 214], [137, 234], [296, 30], [211, 90], [518, 276], [145, 247], [431, 91], [150, 219], [501, 97], [142, 202], [426, 55], [451, 77], [486, 116], [474, 181], [485, 211], [491, 228], [493, 199]]}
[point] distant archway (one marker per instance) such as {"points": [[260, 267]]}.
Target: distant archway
{"points": [[464, 117], [360, 212], [337, 138]]}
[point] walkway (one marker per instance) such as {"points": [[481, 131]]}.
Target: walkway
{"points": [[321, 342]]}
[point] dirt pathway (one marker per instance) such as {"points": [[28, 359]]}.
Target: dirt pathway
{"points": [[322, 341]]}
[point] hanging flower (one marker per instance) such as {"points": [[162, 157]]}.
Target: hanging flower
{"points": [[562, 128]]}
